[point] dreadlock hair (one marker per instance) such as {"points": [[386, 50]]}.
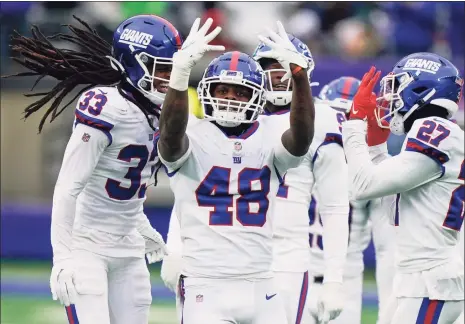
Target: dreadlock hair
{"points": [[89, 67]]}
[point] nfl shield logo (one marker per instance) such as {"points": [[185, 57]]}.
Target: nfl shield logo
{"points": [[85, 137], [199, 298], [237, 146]]}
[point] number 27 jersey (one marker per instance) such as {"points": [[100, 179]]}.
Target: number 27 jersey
{"points": [[225, 191], [430, 216]]}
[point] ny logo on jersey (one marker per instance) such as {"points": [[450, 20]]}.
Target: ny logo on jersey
{"points": [[237, 159], [85, 137]]}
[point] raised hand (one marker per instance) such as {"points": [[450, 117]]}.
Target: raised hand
{"points": [[284, 52], [364, 102], [196, 44]]}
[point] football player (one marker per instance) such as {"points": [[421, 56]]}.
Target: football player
{"points": [[225, 171], [417, 98], [99, 232], [325, 165], [366, 218]]}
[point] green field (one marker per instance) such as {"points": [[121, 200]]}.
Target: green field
{"points": [[17, 308]]}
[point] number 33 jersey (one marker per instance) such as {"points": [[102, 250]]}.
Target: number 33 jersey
{"points": [[116, 148], [225, 189]]}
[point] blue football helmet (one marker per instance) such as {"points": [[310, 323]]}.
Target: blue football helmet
{"points": [[339, 93], [281, 98], [417, 80], [238, 69], [142, 44]]}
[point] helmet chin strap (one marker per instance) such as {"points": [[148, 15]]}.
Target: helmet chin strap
{"points": [[397, 122]]}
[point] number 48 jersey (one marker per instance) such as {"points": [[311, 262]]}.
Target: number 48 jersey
{"points": [[225, 190], [430, 216], [112, 198]]}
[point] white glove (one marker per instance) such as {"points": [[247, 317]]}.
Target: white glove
{"points": [[284, 51], [171, 270], [155, 247], [62, 282], [331, 302], [192, 50]]}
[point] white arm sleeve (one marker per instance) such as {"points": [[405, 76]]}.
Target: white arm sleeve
{"points": [[384, 239], [173, 239], [330, 170], [79, 162], [394, 175], [283, 160], [172, 263]]}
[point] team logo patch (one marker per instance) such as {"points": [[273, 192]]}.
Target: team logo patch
{"points": [[85, 137], [237, 153], [199, 298], [135, 38], [422, 65]]}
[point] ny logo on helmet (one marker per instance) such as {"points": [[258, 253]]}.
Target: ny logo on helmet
{"points": [[422, 65], [135, 38]]}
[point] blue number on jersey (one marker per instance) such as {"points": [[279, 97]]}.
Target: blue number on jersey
{"points": [[427, 129], [114, 188], [456, 212], [213, 191], [340, 119], [283, 190], [312, 216], [101, 101]]}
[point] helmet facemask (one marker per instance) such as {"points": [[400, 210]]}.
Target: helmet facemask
{"points": [[389, 102], [226, 112], [148, 83], [281, 97]]}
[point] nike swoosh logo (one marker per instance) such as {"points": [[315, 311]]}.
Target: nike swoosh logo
{"points": [[269, 297], [354, 110]]}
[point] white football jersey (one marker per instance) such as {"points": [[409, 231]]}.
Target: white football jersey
{"points": [[428, 218], [112, 198], [225, 192], [291, 225]]}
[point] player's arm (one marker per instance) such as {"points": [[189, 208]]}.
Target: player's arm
{"points": [[81, 156], [297, 139], [173, 145], [397, 174], [330, 170], [171, 267], [418, 164], [155, 248], [384, 242]]}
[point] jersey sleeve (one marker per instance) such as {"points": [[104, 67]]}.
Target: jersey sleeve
{"points": [[81, 156], [283, 159], [431, 138], [397, 174], [99, 108], [330, 171]]}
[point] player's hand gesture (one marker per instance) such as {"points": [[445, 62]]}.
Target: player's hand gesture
{"points": [[364, 102], [331, 302], [376, 135], [155, 247], [196, 44], [284, 51], [62, 282]]}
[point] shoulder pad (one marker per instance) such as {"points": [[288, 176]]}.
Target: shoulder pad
{"points": [[101, 108], [435, 137]]}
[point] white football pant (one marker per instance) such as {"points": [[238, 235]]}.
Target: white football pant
{"points": [[110, 290], [293, 287], [216, 301]]}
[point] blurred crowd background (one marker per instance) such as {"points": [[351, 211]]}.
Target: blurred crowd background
{"points": [[345, 39]]}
